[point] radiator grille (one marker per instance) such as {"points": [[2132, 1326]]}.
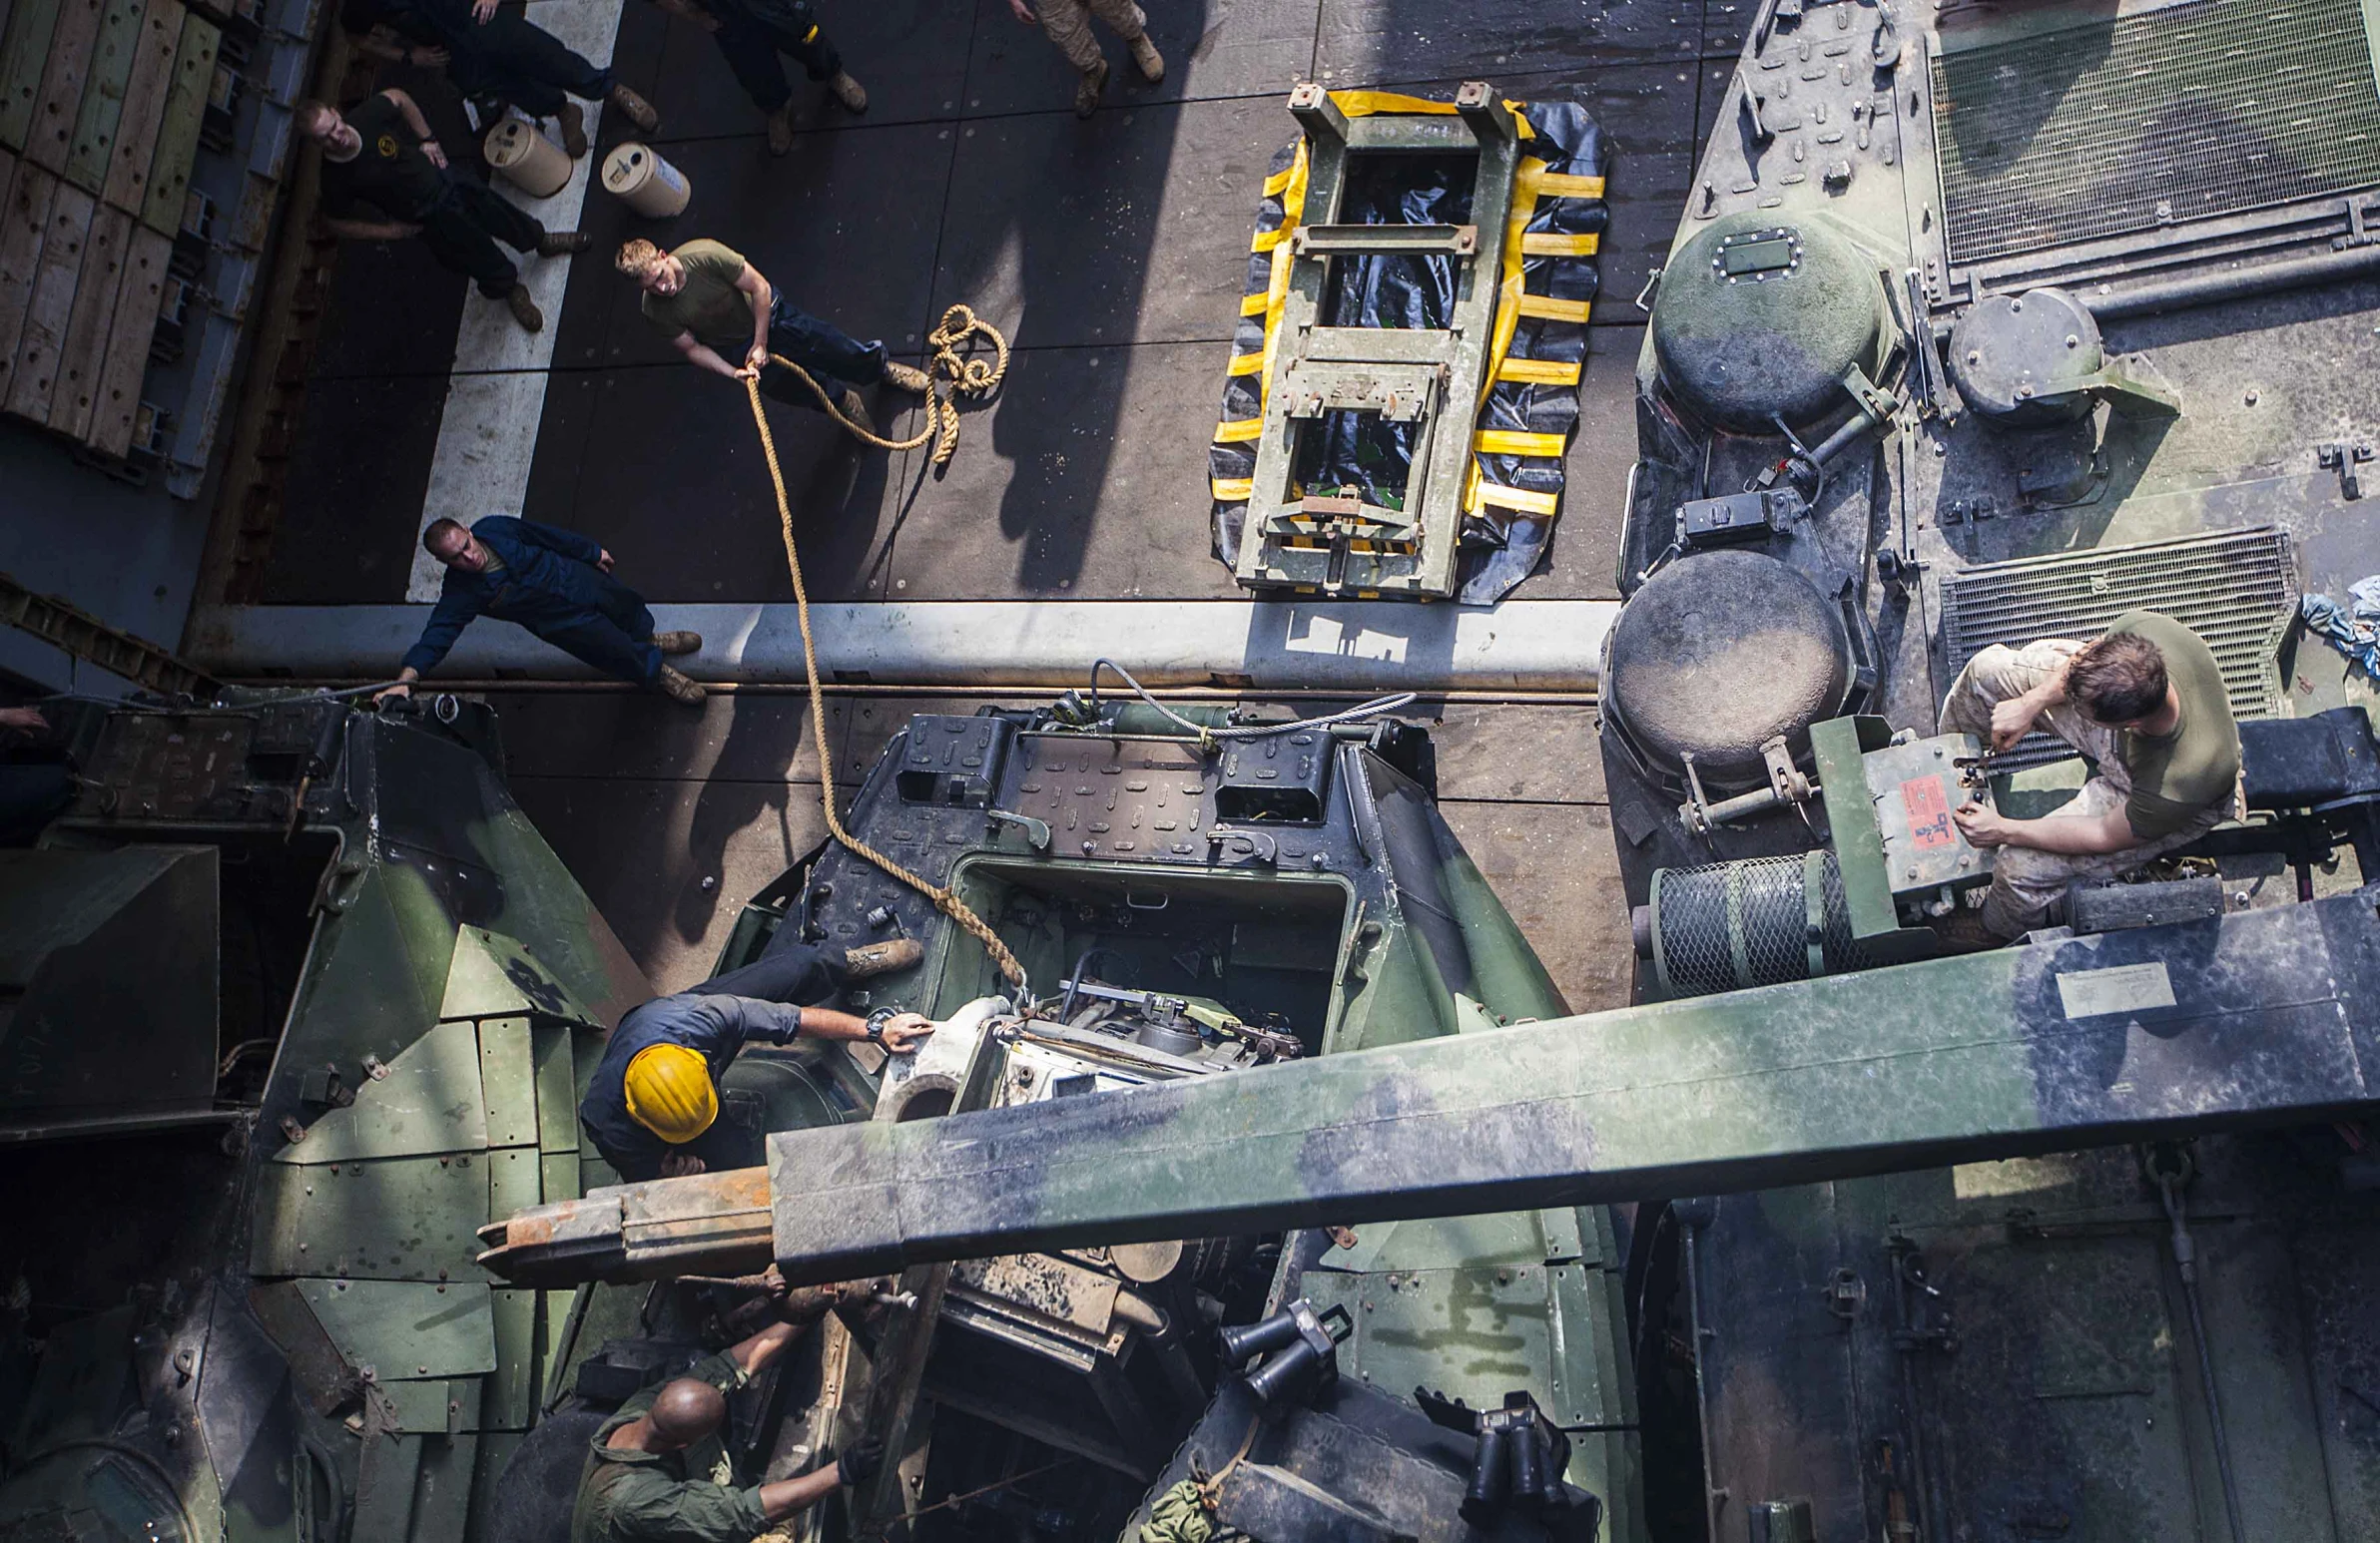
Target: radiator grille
{"points": [[2208, 107], [2236, 589]]}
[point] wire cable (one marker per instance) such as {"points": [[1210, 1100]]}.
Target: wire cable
{"points": [[1210, 736]]}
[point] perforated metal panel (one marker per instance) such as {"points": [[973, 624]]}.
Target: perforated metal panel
{"points": [[2237, 589], [2182, 113]]}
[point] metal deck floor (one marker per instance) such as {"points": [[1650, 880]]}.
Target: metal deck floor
{"points": [[1112, 252]]}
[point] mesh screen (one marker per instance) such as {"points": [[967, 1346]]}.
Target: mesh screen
{"points": [[2185, 113], [1694, 933], [1776, 919]]}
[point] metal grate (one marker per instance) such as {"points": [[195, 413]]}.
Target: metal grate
{"points": [[2236, 589], [2208, 107]]}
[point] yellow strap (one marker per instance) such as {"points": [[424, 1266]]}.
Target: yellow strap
{"points": [[1253, 304], [1293, 207], [1558, 184], [1279, 180], [811, 35], [1246, 363], [1548, 244], [1363, 104], [1538, 372], [1551, 310], [1266, 241], [1523, 500], [1233, 490], [1512, 442], [1239, 431]]}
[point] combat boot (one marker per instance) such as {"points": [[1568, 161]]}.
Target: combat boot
{"points": [[1962, 932], [849, 91], [908, 377], [883, 958], [780, 131], [856, 409], [677, 642], [574, 130], [636, 110], [678, 688], [1146, 59], [524, 309], [1088, 90], [563, 243]]}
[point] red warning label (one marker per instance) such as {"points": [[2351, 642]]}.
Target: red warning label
{"points": [[1929, 812]]}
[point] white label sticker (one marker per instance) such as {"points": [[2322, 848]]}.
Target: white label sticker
{"points": [[2126, 988]]}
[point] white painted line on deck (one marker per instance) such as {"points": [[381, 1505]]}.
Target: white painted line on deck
{"points": [[495, 396]]}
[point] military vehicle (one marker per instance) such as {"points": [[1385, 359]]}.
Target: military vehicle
{"points": [[1439, 1327]]}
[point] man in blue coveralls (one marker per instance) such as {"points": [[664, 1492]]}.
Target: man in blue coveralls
{"points": [[652, 1107], [557, 584]]}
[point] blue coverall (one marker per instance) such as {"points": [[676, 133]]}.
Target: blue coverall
{"points": [[716, 1018], [550, 585]]}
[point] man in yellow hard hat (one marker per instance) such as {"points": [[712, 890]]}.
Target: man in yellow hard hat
{"points": [[652, 1109]]}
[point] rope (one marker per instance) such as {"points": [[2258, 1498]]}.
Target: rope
{"points": [[950, 904], [946, 373], [1006, 1483]]}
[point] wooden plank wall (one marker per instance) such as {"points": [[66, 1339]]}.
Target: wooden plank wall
{"points": [[101, 103]]}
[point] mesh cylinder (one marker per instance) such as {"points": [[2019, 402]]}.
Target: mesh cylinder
{"points": [[1727, 926]]}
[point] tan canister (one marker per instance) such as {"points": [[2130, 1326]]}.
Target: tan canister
{"points": [[646, 183], [527, 159]]}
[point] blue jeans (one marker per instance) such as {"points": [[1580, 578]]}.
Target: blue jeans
{"points": [[615, 634], [822, 349]]}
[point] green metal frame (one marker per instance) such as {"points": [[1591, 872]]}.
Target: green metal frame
{"points": [[1315, 540]]}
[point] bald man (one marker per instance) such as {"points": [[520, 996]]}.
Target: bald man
{"points": [[658, 1473]]}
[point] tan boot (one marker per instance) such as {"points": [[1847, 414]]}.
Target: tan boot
{"points": [[524, 309], [856, 410], [1088, 90], [883, 958], [678, 688], [637, 108], [678, 641], [908, 377], [780, 131], [849, 91], [574, 130], [1962, 932], [1146, 59]]}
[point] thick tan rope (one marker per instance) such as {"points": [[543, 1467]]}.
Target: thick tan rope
{"points": [[950, 904], [946, 373]]}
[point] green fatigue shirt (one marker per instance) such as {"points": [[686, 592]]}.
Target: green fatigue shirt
{"points": [[2178, 776], [687, 1496], [708, 303]]}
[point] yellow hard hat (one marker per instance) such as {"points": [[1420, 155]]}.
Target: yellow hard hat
{"points": [[670, 1093]]}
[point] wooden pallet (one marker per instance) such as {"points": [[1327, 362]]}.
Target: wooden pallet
{"points": [[101, 105]]}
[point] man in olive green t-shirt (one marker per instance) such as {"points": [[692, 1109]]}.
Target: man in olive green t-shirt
{"points": [[725, 317], [2144, 701]]}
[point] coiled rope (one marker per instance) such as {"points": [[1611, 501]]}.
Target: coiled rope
{"points": [[949, 904], [948, 373]]}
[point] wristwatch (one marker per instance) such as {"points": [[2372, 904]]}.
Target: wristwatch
{"points": [[875, 1024]]}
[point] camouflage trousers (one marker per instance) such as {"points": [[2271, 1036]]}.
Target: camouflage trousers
{"points": [[1068, 23], [2025, 882]]}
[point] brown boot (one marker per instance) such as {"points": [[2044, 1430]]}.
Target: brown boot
{"points": [[856, 410], [908, 377], [562, 244], [1088, 90], [1146, 59], [1962, 932], [780, 131], [883, 958], [636, 110], [679, 689], [849, 91], [574, 130], [524, 309], [677, 642]]}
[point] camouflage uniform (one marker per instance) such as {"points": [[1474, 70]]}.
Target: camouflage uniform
{"points": [[1068, 23], [2025, 882], [687, 1494]]}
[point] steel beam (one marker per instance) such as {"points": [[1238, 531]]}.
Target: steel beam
{"points": [[1541, 645], [2264, 1017]]}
